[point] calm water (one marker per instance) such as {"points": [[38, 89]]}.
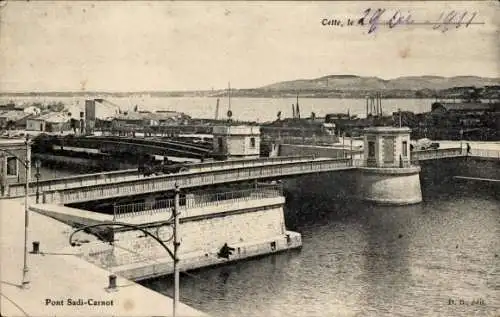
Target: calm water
{"points": [[252, 109], [364, 260]]}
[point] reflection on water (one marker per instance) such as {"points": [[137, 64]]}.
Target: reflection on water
{"points": [[365, 260]]}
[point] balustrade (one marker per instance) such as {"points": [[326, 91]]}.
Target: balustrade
{"points": [[196, 201]]}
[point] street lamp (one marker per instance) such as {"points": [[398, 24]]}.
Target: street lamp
{"points": [[25, 282], [38, 163], [176, 247], [27, 166], [175, 237]]}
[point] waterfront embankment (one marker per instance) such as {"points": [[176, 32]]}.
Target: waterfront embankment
{"points": [[60, 283]]}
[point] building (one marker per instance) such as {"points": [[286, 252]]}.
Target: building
{"points": [[13, 153], [387, 146], [149, 119], [132, 119], [13, 119], [32, 110], [477, 108], [8, 106], [49, 122], [236, 141], [388, 175]]}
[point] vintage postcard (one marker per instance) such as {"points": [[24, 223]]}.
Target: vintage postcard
{"points": [[250, 158]]}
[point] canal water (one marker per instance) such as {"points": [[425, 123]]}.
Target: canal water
{"points": [[438, 258]]}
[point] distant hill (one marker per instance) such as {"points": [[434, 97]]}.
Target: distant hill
{"points": [[358, 83], [333, 86]]}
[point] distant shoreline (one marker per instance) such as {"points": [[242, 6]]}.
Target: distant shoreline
{"points": [[326, 87], [273, 96]]}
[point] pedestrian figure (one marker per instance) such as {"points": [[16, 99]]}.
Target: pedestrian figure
{"points": [[468, 148]]}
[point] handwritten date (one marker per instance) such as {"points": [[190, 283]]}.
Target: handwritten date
{"points": [[374, 18]]}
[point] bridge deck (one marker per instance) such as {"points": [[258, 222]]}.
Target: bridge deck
{"points": [[129, 182], [192, 179], [16, 190]]}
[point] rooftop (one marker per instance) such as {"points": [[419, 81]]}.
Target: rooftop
{"points": [[465, 106], [13, 115], [387, 130], [164, 115], [56, 117]]}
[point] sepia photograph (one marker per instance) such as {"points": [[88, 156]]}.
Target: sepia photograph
{"points": [[249, 158]]}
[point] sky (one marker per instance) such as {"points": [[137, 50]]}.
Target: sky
{"points": [[137, 46]]}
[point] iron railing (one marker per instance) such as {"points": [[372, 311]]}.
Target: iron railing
{"points": [[396, 164], [197, 201], [18, 189], [485, 153], [192, 179], [437, 153]]}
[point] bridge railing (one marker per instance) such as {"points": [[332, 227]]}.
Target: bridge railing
{"points": [[230, 164], [195, 201], [194, 179], [168, 143], [437, 153], [485, 153], [18, 189], [403, 163]]}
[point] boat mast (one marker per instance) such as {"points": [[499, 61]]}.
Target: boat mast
{"points": [[297, 112], [229, 94], [229, 112], [217, 110]]}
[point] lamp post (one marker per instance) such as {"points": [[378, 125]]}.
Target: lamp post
{"points": [[38, 164], [25, 282], [176, 246], [27, 166], [173, 255]]}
